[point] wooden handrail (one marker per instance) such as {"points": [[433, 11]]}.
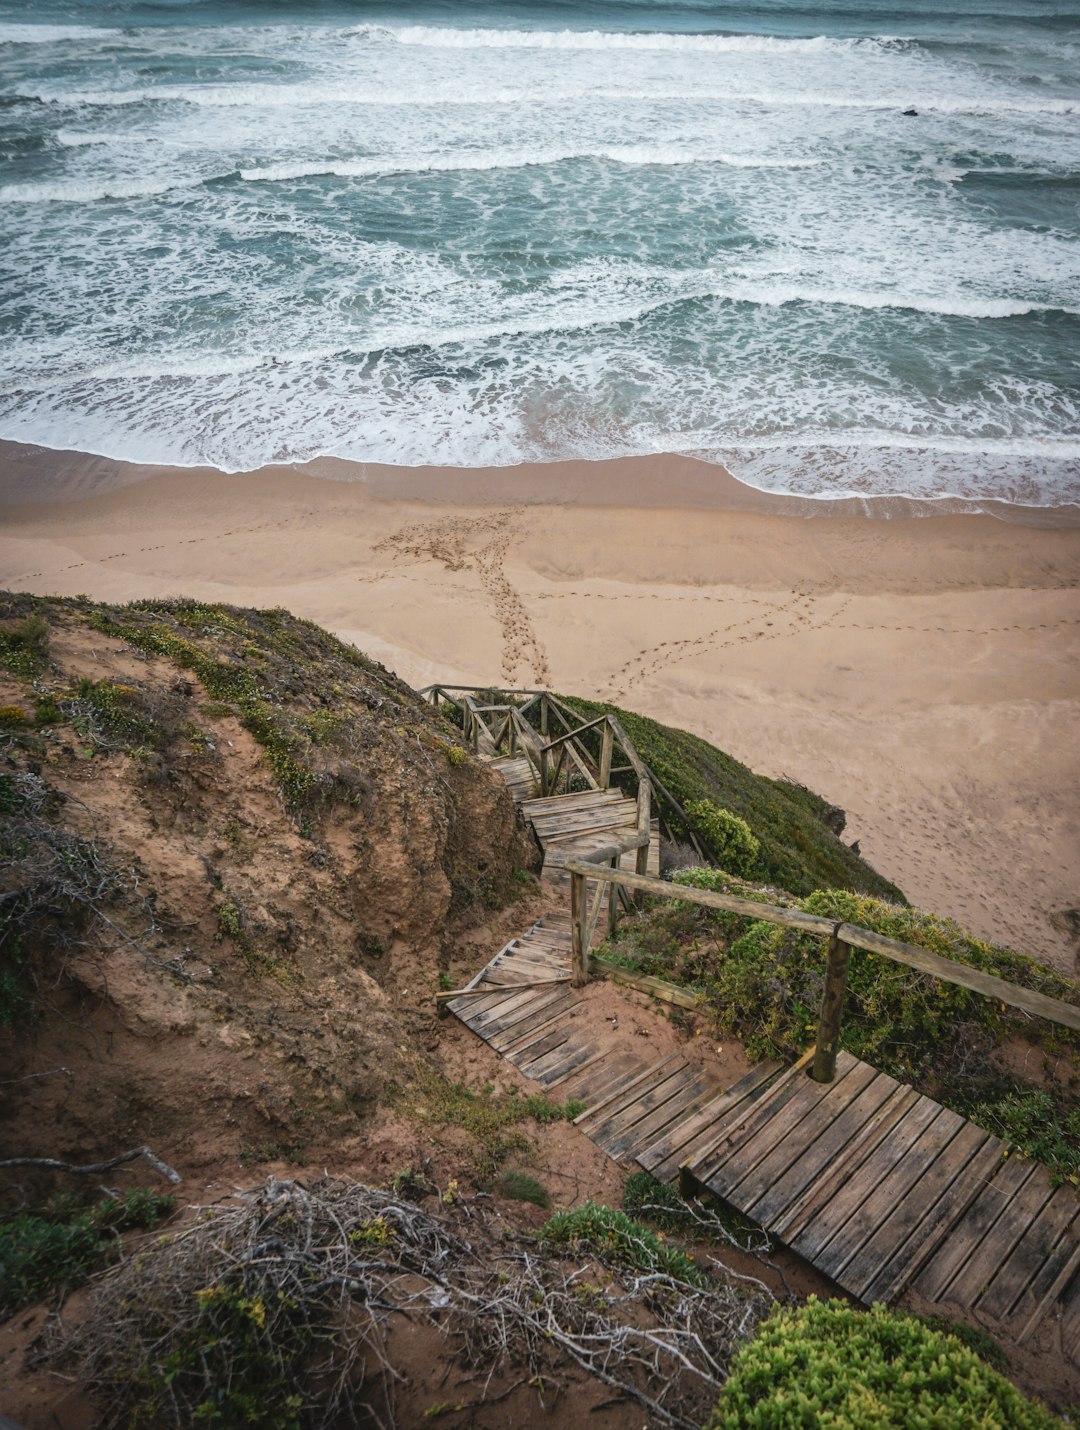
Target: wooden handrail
{"points": [[1039, 1005], [427, 689], [571, 734]]}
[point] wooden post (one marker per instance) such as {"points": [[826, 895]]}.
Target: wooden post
{"points": [[644, 823], [832, 1006], [579, 914], [613, 903], [543, 773], [544, 712], [605, 755]]}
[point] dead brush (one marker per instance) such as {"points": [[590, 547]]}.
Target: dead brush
{"points": [[284, 1305]]}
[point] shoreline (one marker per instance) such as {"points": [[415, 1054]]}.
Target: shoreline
{"points": [[32, 473], [920, 671]]}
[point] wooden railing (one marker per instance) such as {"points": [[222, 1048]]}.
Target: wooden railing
{"points": [[840, 938], [552, 736]]}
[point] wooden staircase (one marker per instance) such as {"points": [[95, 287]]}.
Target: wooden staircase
{"points": [[880, 1188]]}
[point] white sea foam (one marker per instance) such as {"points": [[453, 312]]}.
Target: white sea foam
{"points": [[435, 37], [85, 191], [335, 92], [512, 159], [952, 305], [14, 34]]}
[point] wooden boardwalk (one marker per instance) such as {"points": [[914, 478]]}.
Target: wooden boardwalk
{"points": [[878, 1187], [882, 1188]]}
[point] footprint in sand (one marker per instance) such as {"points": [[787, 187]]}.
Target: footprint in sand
{"points": [[454, 542]]}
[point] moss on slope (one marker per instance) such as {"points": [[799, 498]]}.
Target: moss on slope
{"points": [[799, 850]]}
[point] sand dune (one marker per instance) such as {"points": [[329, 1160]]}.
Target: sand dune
{"points": [[921, 671]]}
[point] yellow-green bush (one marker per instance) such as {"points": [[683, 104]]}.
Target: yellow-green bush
{"points": [[830, 1366], [730, 838]]}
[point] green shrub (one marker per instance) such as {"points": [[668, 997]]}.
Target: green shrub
{"points": [[934, 1035], [47, 711], [238, 1371], [729, 838], [1037, 1124], [109, 714], [57, 1248], [489, 1118], [829, 1364], [619, 1240], [657, 1202], [24, 646], [520, 1187]]}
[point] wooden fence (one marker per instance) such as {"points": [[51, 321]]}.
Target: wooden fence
{"points": [[840, 939], [565, 752]]}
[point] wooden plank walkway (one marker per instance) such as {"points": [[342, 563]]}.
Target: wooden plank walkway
{"points": [[877, 1186], [882, 1188]]}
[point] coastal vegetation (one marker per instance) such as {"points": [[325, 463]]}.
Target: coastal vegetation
{"points": [[827, 1363], [244, 858], [763, 983]]}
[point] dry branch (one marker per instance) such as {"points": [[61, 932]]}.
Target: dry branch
{"points": [[93, 1168], [333, 1268]]}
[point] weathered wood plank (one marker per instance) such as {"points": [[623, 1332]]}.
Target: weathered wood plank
{"points": [[937, 1276], [575, 1071], [740, 1156], [1070, 1320], [650, 1071], [522, 1046], [482, 996], [514, 1003], [645, 983], [1017, 1271], [696, 1089], [979, 1269], [561, 1062], [652, 1095], [920, 1221], [847, 1166], [741, 1125], [844, 1223], [514, 1010], [1049, 1285], [604, 1078], [785, 1173], [934, 1227], [676, 1145], [557, 1007], [525, 1057]]}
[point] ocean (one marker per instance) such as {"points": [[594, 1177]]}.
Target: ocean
{"points": [[835, 247]]}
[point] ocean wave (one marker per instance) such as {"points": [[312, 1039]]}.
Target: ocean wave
{"points": [[15, 34], [85, 191], [555, 317], [438, 37], [312, 94], [633, 154], [953, 305]]}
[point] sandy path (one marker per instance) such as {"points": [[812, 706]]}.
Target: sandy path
{"points": [[920, 672]]}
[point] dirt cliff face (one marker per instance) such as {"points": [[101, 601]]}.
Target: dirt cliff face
{"points": [[238, 854]]}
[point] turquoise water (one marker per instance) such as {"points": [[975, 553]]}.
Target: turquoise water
{"points": [[491, 233]]}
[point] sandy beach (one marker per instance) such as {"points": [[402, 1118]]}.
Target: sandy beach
{"points": [[919, 670]]}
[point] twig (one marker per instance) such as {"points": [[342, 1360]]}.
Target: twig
{"points": [[94, 1168]]}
